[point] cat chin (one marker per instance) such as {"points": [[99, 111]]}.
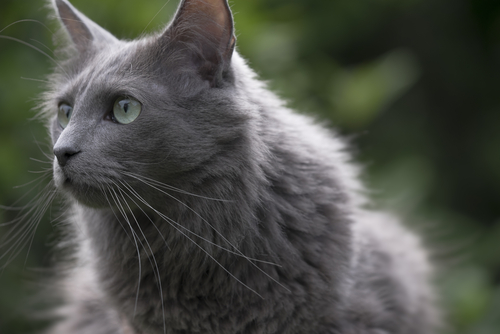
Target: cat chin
{"points": [[82, 193]]}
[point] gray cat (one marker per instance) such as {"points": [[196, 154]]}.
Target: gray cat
{"points": [[199, 203]]}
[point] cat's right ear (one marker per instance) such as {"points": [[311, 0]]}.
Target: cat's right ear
{"points": [[204, 30], [82, 31]]}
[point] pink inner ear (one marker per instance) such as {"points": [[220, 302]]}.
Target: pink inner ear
{"points": [[211, 16], [205, 29]]}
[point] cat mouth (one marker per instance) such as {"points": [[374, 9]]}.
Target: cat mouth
{"points": [[67, 179], [66, 182], [69, 184], [82, 192], [88, 188]]}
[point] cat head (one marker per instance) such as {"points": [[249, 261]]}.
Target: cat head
{"points": [[157, 108]]}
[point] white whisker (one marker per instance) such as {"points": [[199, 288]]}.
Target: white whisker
{"points": [[35, 48], [158, 183], [36, 80], [121, 210], [187, 230], [114, 213], [173, 223], [155, 16], [27, 20], [238, 252], [154, 260], [16, 238]]}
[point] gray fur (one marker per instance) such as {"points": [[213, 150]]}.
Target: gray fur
{"points": [[218, 210]]}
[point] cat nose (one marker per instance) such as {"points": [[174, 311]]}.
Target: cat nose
{"points": [[64, 153]]}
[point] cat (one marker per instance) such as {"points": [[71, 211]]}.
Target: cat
{"points": [[199, 203]]}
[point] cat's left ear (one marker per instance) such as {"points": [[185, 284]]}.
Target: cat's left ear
{"points": [[205, 31], [82, 31]]}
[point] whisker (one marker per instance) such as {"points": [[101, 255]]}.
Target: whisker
{"points": [[44, 170], [122, 211], [41, 161], [205, 221], [154, 260], [158, 183], [27, 230], [149, 218], [114, 213], [30, 182], [50, 156], [238, 252], [43, 210], [40, 179], [37, 80], [129, 188], [35, 48], [32, 208], [27, 20], [45, 46], [155, 16], [171, 222]]}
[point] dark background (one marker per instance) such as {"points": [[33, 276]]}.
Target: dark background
{"points": [[413, 84]]}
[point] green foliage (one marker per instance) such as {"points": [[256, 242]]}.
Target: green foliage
{"points": [[415, 83]]}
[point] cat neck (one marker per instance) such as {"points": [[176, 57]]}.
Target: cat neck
{"points": [[253, 250], [255, 256]]}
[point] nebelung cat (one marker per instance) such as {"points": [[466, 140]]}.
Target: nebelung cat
{"points": [[198, 203]]}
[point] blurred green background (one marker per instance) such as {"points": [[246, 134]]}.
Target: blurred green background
{"points": [[413, 84]]}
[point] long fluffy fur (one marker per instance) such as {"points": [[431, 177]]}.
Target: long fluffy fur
{"points": [[218, 210]]}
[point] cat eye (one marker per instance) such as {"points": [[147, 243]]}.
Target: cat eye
{"points": [[126, 110], [64, 114]]}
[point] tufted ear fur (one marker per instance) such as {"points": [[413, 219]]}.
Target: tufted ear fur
{"points": [[205, 29], [82, 31]]}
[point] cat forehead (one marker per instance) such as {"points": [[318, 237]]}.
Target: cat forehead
{"points": [[116, 58], [116, 67]]}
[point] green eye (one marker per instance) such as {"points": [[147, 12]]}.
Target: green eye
{"points": [[126, 110], [64, 114]]}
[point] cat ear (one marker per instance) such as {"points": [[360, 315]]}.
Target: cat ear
{"points": [[82, 31], [205, 28]]}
